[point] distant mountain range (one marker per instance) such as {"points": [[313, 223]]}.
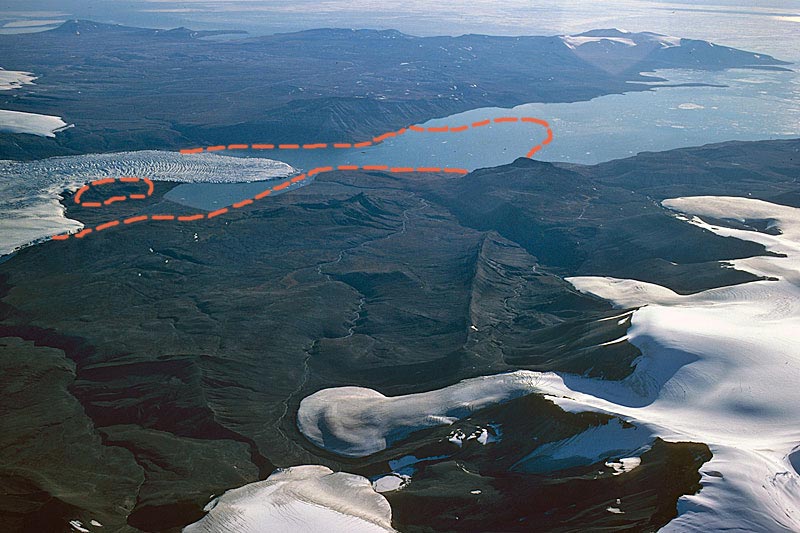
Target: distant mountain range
{"points": [[132, 88]]}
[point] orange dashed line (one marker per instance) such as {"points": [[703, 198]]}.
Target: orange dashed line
{"points": [[189, 218], [243, 203], [287, 183], [319, 170], [535, 121], [111, 224], [381, 138], [115, 199], [217, 213], [80, 193]]}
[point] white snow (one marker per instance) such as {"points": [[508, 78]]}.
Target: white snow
{"points": [[626, 464], [78, 526], [31, 23], [14, 79], [31, 123], [390, 482], [30, 209], [481, 435], [722, 367], [574, 41], [690, 106], [356, 422], [607, 441], [666, 41], [648, 39], [299, 499]]}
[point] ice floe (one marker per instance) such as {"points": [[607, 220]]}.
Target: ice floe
{"points": [[299, 499], [31, 123], [14, 79]]}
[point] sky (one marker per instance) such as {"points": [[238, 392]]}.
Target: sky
{"points": [[741, 23]]}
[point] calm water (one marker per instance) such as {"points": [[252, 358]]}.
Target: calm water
{"points": [[752, 105]]}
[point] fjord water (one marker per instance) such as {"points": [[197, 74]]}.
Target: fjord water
{"points": [[739, 104]]}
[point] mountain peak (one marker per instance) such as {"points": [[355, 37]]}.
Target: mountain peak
{"points": [[86, 26]]}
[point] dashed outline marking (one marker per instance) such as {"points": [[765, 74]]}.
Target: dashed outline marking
{"points": [[288, 182]]}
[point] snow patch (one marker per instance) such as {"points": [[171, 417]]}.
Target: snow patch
{"points": [[299, 499], [391, 482], [356, 422], [573, 41], [720, 366], [599, 443], [626, 464], [31, 123], [14, 79], [690, 106]]}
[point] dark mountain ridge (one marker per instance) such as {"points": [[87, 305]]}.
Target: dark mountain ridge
{"points": [[132, 88], [175, 356]]}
